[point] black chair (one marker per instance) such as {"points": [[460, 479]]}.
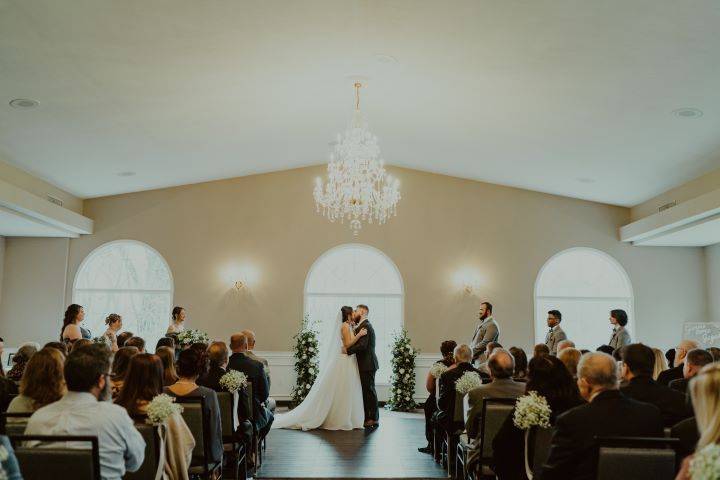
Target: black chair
{"points": [[232, 440], [438, 434], [43, 462], [633, 458], [539, 440], [14, 423], [153, 436], [198, 422]]}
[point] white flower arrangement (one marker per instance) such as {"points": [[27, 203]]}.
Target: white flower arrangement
{"points": [[532, 410], [705, 464], [469, 381], [161, 408], [438, 369], [233, 381], [188, 337]]}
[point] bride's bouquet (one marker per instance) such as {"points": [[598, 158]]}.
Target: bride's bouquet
{"points": [[469, 381], [161, 408], [532, 410], [188, 337], [705, 464], [233, 381]]}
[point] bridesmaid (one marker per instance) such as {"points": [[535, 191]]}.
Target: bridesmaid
{"points": [[178, 319], [620, 336], [114, 324], [71, 329]]}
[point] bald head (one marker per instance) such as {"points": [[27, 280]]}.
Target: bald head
{"points": [[238, 342], [250, 335], [501, 364], [597, 372], [682, 350]]}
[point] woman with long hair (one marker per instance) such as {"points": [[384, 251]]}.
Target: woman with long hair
{"points": [[549, 377], [42, 382], [120, 365], [114, 324], [143, 382], [167, 355], [660, 363], [430, 406], [521, 364], [71, 329], [177, 320]]}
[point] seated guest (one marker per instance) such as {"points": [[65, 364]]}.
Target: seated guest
{"points": [[660, 363], [445, 416], [501, 385], [670, 357], [583, 351], [255, 373], [191, 364], [60, 347], [556, 334], [483, 367], [605, 349], [270, 402], [167, 356], [549, 378], [84, 410], [80, 343], [676, 372], [570, 357], [218, 356], [705, 396], [562, 345], [137, 342], [637, 369], [42, 383], [540, 349], [430, 407], [120, 364], [20, 361], [715, 352], [573, 451], [521, 364], [144, 381], [165, 342], [695, 360], [8, 389], [124, 337]]}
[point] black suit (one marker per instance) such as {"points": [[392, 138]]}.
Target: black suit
{"points": [[364, 351], [255, 372], [446, 397], [667, 376], [673, 405], [212, 378], [680, 385], [573, 450]]}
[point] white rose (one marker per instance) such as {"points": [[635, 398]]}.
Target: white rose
{"points": [[402, 370], [311, 371], [407, 376], [407, 398], [304, 357], [307, 386], [310, 349]]}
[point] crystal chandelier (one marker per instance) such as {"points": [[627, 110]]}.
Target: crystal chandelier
{"points": [[357, 189]]}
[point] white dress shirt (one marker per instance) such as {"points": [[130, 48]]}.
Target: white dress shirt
{"points": [[79, 413]]}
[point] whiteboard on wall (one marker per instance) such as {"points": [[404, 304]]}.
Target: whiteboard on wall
{"points": [[706, 334]]}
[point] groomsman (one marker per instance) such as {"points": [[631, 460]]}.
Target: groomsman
{"points": [[556, 334], [487, 331]]}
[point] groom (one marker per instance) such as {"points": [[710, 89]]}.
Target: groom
{"points": [[364, 350]]}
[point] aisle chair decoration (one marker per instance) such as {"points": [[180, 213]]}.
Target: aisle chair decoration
{"points": [[305, 352], [531, 411], [469, 381], [402, 381]]}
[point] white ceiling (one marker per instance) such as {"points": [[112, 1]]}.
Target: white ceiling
{"points": [[569, 97]]}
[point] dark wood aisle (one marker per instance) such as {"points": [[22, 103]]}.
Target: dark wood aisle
{"points": [[388, 452]]}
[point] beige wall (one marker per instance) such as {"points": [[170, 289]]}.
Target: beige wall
{"points": [[38, 187], [444, 224]]}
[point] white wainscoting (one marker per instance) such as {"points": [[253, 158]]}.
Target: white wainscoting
{"points": [[282, 375]]}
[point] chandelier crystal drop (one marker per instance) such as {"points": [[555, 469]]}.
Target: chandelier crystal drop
{"points": [[358, 189]]}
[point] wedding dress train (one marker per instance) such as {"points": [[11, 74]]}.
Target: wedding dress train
{"points": [[335, 399]]}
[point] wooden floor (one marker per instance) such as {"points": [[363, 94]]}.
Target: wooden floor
{"points": [[388, 452]]}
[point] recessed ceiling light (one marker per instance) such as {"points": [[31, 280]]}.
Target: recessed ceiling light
{"points": [[126, 174], [24, 103], [585, 180], [688, 113]]}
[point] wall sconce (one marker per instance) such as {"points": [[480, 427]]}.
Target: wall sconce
{"points": [[239, 285], [467, 280], [240, 277]]}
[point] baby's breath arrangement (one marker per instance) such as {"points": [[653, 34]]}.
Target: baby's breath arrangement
{"points": [[233, 381], [161, 408], [402, 390], [188, 337], [437, 369], [306, 361], [532, 410], [705, 464], [468, 381]]}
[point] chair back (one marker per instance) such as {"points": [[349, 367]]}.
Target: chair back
{"points": [[152, 434], [636, 458], [198, 422], [458, 410], [228, 415], [539, 447], [41, 463], [494, 413], [14, 423]]}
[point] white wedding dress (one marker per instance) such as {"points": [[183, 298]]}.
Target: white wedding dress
{"points": [[335, 399]]}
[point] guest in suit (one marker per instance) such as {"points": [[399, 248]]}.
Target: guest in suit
{"points": [[430, 407], [637, 368], [549, 378], [620, 336], [483, 367], [270, 403], [676, 371], [556, 334], [705, 396], [445, 416], [256, 375], [695, 360], [218, 355], [573, 451], [487, 331], [502, 367]]}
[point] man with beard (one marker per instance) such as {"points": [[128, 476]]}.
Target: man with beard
{"points": [[86, 410], [487, 331]]}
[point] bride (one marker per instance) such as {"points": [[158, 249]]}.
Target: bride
{"points": [[335, 399]]}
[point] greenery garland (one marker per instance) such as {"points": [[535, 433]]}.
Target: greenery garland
{"points": [[306, 362], [402, 390]]}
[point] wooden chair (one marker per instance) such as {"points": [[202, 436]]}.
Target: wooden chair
{"points": [[14, 423], [633, 458], [40, 462], [154, 437], [198, 422], [229, 416]]}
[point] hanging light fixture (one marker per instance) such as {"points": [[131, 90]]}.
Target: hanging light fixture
{"points": [[358, 189]]}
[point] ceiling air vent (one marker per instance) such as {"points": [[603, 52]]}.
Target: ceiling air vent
{"points": [[666, 206], [54, 200]]}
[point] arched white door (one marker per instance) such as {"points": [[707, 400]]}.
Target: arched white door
{"points": [[355, 274], [584, 284]]}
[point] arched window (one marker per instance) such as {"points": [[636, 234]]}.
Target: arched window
{"points": [[355, 274], [131, 279], [584, 284]]}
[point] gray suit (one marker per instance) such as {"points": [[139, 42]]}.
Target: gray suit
{"points": [[485, 333], [620, 338], [553, 337]]}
